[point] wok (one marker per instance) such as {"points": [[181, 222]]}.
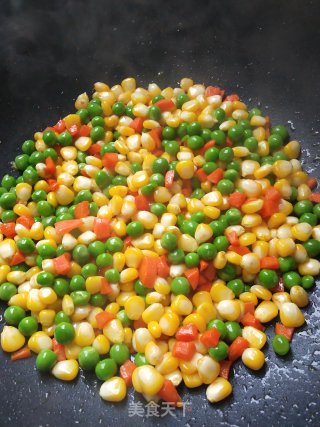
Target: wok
{"points": [[268, 53]]}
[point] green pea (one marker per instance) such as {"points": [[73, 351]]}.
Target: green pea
{"points": [[61, 286], [106, 369], [30, 176], [65, 139], [39, 195], [97, 133], [275, 142], [287, 263], [46, 360], [192, 259], [198, 194], [80, 297], [221, 243], [211, 154], [254, 112], [81, 254], [82, 196], [8, 216], [154, 113], [97, 121], [218, 324], [94, 109], [160, 165], [46, 251], [124, 319], [169, 241], [96, 248], [112, 275], [280, 130], [118, 108], [140, 289], [119, 353], [235, 133], [7, 200], [44, 278], [316, 210], [84, 115], [26, 245], [182, 130], [194, 128], [280, 155], [89, 270], [88, 358], [233, 216], [219, 114], [291, 278], [280, 345], [227, 273], [302, 207], [28, 147], [195, 142], [218, 136], [226, 154], [28, 326], [307, 282], [234, 164], [217, 228], [14, 314], [140, 359], [114, 244], [209, 167], [207, 251], [231, 175], [251, 144], [181, 99], [312, 246], [7, 290], [237, 286], [268, 278], [64, 332], [220, 352], [129, 111], [176, 256], [45, 208], [180, 285], [98, 300], [309, 218], [104, 260], [233, 330], [102, 179], [49, 137], [21, 161], [135, 229], [168, 132], [61, 317]]}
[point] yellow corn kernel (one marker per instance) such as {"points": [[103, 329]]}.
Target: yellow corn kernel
{"points": [[192, 380], [11, 339], [66, 370], [7, 249], [280, 297], [147, 380], [220, 292], [201, 297], [247, 239], [291, 315], [67, 305], [123, 297], [93, 284], [276, 220], [84, 335], [292, 149], [146, 241], [141, 337], [203, 233], [218, 390], [101, 344], [169, 323], [46, 317], [211, 212], [189, 367], [253, 358], [34, 302], [114, 331], [285, 247], [72, 351], [162, 286], [153, 353], [16, 277], [127, 336], [133, 257], [309, 267], [248, 297], [229, 309], [220, 260], [181, 305], [175, 377], [282, 168], [233, 258], [154, 329], [153, 313], [261, 292], [301, 231], [39, 341], [208, 369], [255, 337], [134, 307], [299, 296], [266, 311], [23, 191], [119, 260], [196, 319], [168, 364], [185, 169], [251, 220], [251, 263], [207, 310], [20, 300], [4, 270], [113, 390]]}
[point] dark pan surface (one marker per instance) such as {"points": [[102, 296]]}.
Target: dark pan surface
{"points": [[268, 52]]}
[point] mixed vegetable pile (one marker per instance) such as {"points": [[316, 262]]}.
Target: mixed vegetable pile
{"points": [[151, 235]]}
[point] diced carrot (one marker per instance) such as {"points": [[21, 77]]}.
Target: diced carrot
{"points": [[163, 268], [67, 225], [203, 265], [85, 131], [249, 307], [210, 338], [137, 124], [312, 183], [59, 126], [187, 333], [225, 366], [148, 271], [184, 350], [139, 323], [215, 176], [205, 287], [248, 319], [62, 264], [237, 347], [105, 287], [103, 318], [270, 262], [53, 185], [280, 329], [25, 220], [169, 178], [165, 104], [94, 149], [210, 272], [232, 97], [156, 134], [17, 258], [201, 175], [186, 187], [126, 372], [279, 286], [241, 250], [128, 241], [193, 276], [269, 208], [207, 145], [169, 393], [273, 194], [8, 229], [109, 160], [59, 350], [237, 199], [213, 90], [229, 142], [315, 197], [50, 166], [82, 210], [23, 353], [142, 202], [233, 238], [102, 228]]}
